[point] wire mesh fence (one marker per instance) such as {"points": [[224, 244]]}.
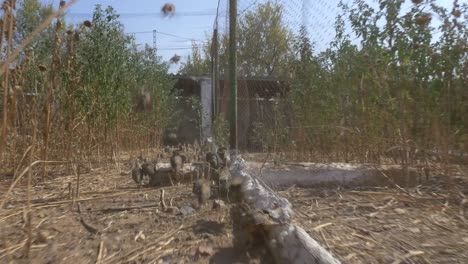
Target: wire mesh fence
{"points": [[348, 80]]}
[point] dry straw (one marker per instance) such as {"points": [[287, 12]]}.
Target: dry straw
{"points": [[36, 31]]}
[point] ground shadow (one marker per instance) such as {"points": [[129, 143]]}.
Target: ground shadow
{"points": [[247, 242], [208, 227], [229, 255]]}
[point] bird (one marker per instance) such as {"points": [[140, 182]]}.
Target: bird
{"points": [[201, 188], [177, 163], [223, 157], [213, 159], [137, 172]]}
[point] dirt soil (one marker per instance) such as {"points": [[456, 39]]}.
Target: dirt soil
{"points": [[114, 222], [105, 225], [385, 225]]}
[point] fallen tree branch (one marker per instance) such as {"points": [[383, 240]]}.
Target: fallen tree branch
{"points": [[87, 226], [126, 208], [287, 243]]}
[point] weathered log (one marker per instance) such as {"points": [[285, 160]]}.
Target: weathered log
{"points": [[273, 214], [292, 244]]}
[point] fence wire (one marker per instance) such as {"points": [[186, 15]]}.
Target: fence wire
{"points": [[347, 80]]}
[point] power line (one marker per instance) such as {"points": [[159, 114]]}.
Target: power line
{"points": [[183, 41], [175, 36], [243, 11], [139, 32], [176, 48], [136, 15], [162, 33]]}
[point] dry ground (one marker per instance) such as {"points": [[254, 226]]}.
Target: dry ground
{"points": [[117, 223]]}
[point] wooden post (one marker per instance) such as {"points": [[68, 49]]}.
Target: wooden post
{"points": [[215, 72], [233, 74]]}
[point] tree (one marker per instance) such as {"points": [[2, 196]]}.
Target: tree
{"points": [[198, 63], [264, 42], [151, 76], [263, 45], [29, 15], [104, 53], [114, 73]]}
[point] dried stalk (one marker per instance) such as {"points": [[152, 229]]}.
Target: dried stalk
{"points": [[21, 161], [28, 212], [78, 176], [30, 38], [51, 94], [9, 17], [22, 174]]}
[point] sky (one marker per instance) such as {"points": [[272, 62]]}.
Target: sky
{"points": [[194, 20], [191, 20]]}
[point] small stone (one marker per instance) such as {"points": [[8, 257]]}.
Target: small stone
{"points": [[448, 251], [172, 210], [373, 215], [414, 230], [205, 250], [186, 210], [400, 211], [41, 237], [218, 204]]}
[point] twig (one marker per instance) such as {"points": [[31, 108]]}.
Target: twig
{"points": [[10, 215], [40, 223], [408, 255], [28, 210], [163, 204], [53, 204], [441, 226], [161, 198], [264, 162], [161, 238], [363, 237], [87, 226], [395, 184], [317, 228], [118, 209], [77, 194], [150, 248], [324, 239], [161, 254], [11, 249], [100, 250], [22, 174], [69, 190], [21, 161], [72, 203]]}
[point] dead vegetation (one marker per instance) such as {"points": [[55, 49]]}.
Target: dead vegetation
{"points": [[70, 194]]}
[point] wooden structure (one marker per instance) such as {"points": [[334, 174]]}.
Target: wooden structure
{"points": [[257, 98]]}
